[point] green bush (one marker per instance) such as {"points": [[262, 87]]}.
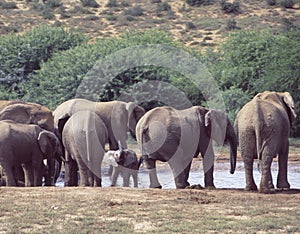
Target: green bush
{"points": [[112, 3], [64, 73], [271, 2], [288, 3], [199, 2], [134, 11], [20, 55], [89, 3], [257, 61], [229, 7], [8, 5]]}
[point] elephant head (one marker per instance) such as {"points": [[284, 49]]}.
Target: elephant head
{"points": [[49, 145], [219, 128], [28, 113]]}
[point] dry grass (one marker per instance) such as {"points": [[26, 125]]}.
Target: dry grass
{"points": [[120, 210]]}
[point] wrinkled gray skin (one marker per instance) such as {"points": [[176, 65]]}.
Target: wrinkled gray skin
{"points": [[33, 145], [124, 162], [119, 117], [263, 128], [31, 113], [176, 136], [84, 137]]}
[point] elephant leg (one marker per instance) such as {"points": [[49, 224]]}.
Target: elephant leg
{"points": [[126, 176], [250, 183], [208, 167], [135, 178], [181, 180], [37, 173], [266, 178], [71, 177], [282, 180], [84, 175], [114, 176], [10, 179], [28, 174], [97, 181], [151, 166]]}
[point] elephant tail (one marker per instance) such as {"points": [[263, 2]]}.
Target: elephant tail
{"points": [[141, 159], [144, 139]]}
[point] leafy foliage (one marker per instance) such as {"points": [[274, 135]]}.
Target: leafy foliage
{"points": [[199, 2], [247, 63], [257, 61], [21, 55]]}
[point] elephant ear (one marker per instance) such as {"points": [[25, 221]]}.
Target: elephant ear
{"points": [[289, 102], [61, 123], [16, 112], [135, 112], [47, 143], [216, 123]]}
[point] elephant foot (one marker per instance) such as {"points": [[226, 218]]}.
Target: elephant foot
{"points": [[251, 188], [283, 185], [266, 190], [211, 187], [194, 186], [157, 187], [182, 185]]}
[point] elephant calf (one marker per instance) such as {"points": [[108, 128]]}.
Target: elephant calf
{"points": [[124, 162]]}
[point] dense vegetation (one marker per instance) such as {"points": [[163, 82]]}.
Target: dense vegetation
{"points": [[49, 65]]}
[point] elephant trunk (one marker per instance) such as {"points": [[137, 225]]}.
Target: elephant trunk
{"points": [[232, 140]]}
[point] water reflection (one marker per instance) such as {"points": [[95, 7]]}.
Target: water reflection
{"points": [[223, 179]]}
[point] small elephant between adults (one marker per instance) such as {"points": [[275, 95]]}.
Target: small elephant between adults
{"points": [[176, 136], [126, 163], [26, 145], [263, 128]]}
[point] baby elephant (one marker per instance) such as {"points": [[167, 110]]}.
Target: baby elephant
{"points": [[126, 162]]}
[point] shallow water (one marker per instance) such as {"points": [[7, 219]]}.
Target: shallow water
{"points": [[222, 177]]}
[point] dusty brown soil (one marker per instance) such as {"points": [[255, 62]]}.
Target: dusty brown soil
{"points": [[193, 26], [125, 210]]}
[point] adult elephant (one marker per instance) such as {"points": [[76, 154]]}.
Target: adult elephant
{"points": [[84, 137], [176, 136], [31, 113], [119, 117], [26, 145], [263, 128]]}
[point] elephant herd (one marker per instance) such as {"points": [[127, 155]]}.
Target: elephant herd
{"points": [[36, 142]]}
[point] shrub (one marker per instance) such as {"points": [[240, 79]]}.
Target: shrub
{"points": [[271, 2], [229, 7], [8, 5], [112, 3], [89, 3], [20, 55], [231, 25], [53, 3], [288, 3], [199, 2], [134, 11], [64, 72]]}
